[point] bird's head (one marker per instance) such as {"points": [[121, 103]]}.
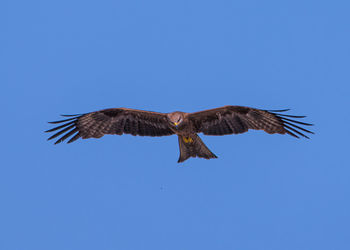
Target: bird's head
{"points": [[175, 118]]}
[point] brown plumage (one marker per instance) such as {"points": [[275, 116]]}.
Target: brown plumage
{"points": [[220, 121]]}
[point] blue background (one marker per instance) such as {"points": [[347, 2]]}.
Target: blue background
{"points": [[124, 192]]}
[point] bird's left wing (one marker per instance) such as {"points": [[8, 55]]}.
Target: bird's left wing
{"points": [[239, 119], [111, 121]]}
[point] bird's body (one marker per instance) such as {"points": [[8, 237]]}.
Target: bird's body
{"points": [[219, 121]]}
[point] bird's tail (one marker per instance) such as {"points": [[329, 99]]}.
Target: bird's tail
{"points": [[193, 146]]}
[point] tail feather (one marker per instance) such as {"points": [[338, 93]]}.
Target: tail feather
{"points": [[193, 146]]}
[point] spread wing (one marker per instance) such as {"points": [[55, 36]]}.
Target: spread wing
{"points": [[238, 119], [111, 121]]}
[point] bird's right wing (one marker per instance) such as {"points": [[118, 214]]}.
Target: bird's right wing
{"points": [[111, 121]]}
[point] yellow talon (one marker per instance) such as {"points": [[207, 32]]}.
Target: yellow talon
{"points": [[187, 139]]}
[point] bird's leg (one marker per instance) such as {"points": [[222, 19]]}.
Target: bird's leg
{"points": [[187, 139]]}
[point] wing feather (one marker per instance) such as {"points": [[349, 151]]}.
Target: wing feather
{"points": [[59, 127], [239, 119], [74, 138], [61, 131], [111, 121]]}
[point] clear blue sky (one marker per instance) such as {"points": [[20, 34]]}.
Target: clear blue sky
{"points": [[264, 191]]}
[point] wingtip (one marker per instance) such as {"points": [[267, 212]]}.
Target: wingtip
{"points": [[69, 115], [278, 110], [58, 141], [51, 137]]}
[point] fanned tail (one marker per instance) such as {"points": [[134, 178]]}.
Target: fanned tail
{"points": [[193, 146]]}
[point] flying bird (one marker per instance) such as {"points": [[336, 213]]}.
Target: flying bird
{"points": [[219, 121]]}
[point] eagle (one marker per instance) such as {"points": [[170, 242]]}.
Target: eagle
{"points": [[219, 121]]}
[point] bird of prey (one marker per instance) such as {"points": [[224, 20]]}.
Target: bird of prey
{"points": [[219, 121]]}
